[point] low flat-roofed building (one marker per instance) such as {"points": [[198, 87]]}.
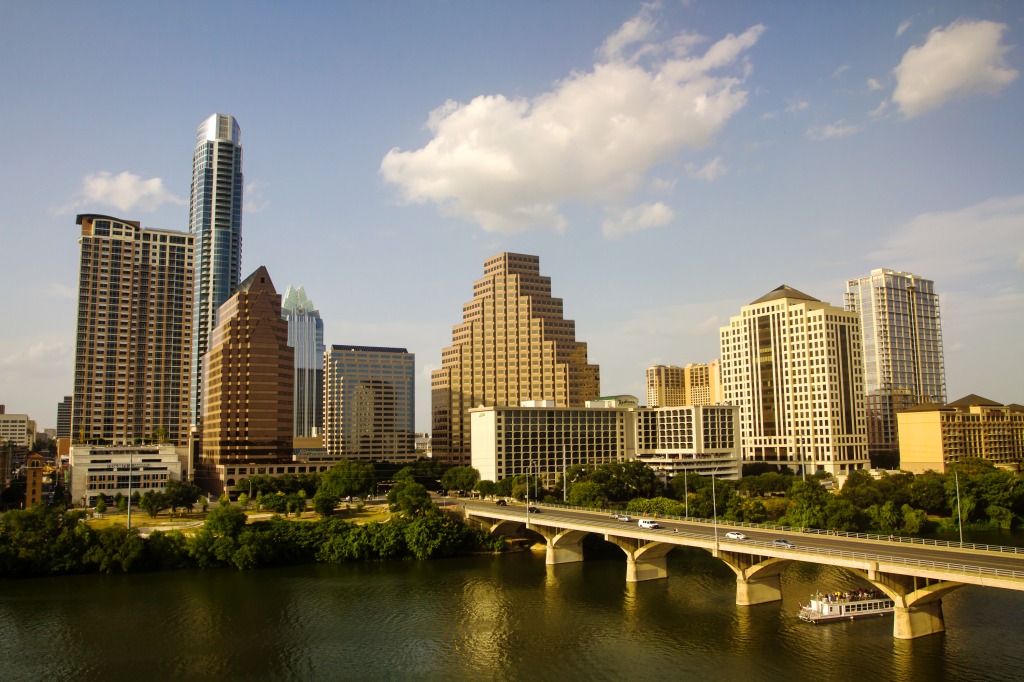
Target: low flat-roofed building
{"points": [[545, 441], [104, 469], [933, 436]]}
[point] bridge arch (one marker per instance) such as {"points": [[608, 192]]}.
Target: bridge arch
{"points": [[918, 601], [757, 577], [645, 560]]}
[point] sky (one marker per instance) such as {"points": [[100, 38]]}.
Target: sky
{"points": [[669, 162]]}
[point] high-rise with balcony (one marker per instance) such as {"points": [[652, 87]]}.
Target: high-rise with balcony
{"points": [[132, 358], [215, 220], [306, 336], [513, 345], [902, 336], [369, 403], [793, 365]]}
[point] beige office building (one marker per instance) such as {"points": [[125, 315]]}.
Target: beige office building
{"points": [[17, 430], [934, 436], [132, 354], [695, 384], [513, 345], [247, 383], [793, 365]]}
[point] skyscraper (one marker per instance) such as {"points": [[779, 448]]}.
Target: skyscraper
{"points": [[132, 356], [215, 220], [513, 345], [793, 365], [64, 417], [306, 336], [902, 336], [666, 386], [369, 403], [249, 375]]}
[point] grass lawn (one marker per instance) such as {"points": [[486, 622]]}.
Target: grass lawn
{"points": [[141, 518]]}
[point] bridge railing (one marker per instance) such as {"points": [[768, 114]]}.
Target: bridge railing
{"points": [[812, 531]]}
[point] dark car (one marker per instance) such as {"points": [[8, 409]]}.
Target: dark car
{"points": [[784, 544], [533, 510], [501, 503]]}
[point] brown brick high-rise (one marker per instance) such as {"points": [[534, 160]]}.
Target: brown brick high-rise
{"points": [[513, 345], [248, 381]]}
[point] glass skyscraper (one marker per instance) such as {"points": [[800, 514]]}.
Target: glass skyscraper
{"points": [[306, 336], [215, 220], [902, 334]]}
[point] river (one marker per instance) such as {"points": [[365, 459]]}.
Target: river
{"points": [[506, 617]]}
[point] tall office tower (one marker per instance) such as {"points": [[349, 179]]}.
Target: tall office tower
{"points": [[703, 383], [666, 386], [793, 364], [369, 403], [215, 220], [248, 381], [902, 336], [64, 417], [132, 357], [306, 336], [513, 345]]}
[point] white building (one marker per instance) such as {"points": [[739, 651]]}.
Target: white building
{"points": [[793, 365], [544, 440], [99, 469]]}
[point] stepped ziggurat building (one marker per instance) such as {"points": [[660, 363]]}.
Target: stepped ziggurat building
{"points": [[513, 346], [902, 336], [695, 384], [132, 355], [248, 384], [215, 220], [793, 365]]}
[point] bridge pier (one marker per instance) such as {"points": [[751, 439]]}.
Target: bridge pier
{"points": [[758, 590], [563, 546], [918, 600], [757, 577], [644, 560]]}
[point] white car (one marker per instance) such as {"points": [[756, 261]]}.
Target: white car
{"points": [[735, 535]]}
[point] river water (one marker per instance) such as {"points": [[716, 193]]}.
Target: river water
{"points": [[507, 617]]}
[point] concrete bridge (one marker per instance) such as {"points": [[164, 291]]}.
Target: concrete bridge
{"points": [[915, 574]]}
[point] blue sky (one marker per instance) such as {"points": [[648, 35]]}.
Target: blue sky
{"points": [[669, 162]]}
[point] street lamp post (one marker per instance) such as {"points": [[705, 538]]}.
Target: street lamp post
{"points": [[959, 512], [714, 506], [686, 494]]}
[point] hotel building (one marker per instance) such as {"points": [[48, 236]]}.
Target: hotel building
{"points": [[369, 403], [934, 436], [793, 366], [215, 220], [513, 345], [542, 440], [902, 337], [132, 358]]}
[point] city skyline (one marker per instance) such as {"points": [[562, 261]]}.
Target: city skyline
{"points": [[815, 161]]}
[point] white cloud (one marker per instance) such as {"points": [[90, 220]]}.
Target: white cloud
{"points": [[874, 84], [881, 110], [841, 70], [507, 164], [797, 105], [980, 238], [254, 199], [39, 357], [838, 129], [712, 170], [965, 58], [901, 29], [58, 290], [636, 219], [124, 191]]}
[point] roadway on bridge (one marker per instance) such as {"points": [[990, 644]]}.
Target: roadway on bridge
{"points": [[758, 537]]}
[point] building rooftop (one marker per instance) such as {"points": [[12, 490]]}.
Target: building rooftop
{"points": [[974, 400], [784, 291]]}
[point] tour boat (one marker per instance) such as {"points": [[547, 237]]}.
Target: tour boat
{"points": [[825, 608]]}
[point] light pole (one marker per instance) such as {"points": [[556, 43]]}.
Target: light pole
{"points": [[565, 481], [959, 512], [714, 506], [686, 494], [130, 462]]}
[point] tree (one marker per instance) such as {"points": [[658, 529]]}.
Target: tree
{"points": [[486, 488], [225, 521], [409, 499], [224, 500], [153, 503], [101, 504], [460, 478], [182, 494], [587, 494], [325, 502], [348, 478], [243, 500]]}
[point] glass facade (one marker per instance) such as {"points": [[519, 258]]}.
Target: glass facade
{"points": [[369, 402], [306, 336], [215, 220], [902, 337]]}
